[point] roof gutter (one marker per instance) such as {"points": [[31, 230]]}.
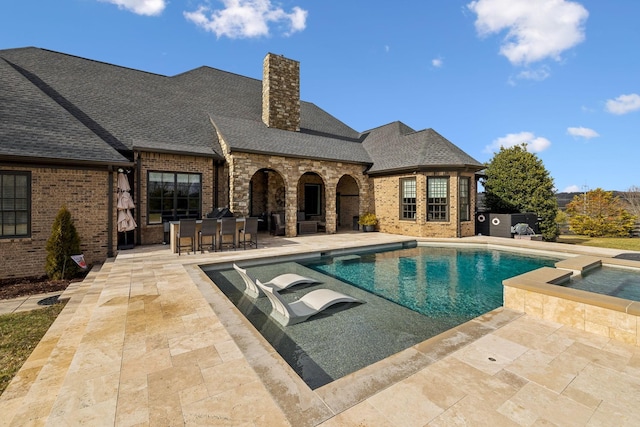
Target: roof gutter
{"points": [[178, 152], [299, 156], [425, 168], [75, 164]]}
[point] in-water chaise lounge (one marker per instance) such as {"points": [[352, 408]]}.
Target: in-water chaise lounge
{"points": [[280, 282], [299, 311]]}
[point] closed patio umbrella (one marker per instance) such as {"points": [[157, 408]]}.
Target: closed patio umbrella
{"points": [[125, 204]]}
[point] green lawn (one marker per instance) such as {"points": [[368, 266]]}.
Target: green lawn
{"points": [[623, 243], [19, 335]]}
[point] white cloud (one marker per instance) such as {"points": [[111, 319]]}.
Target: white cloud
{"points": [[538, 74], [535, 29], [571, 189], [437, 62], [247, 18], [624, 104], [583, 132], [140, 7], [534, 144]]}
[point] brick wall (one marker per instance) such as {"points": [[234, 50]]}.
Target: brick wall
{"points": [[163, 162], [386, 194], [85, 193]]}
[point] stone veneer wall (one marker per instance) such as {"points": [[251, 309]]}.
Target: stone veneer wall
{"points": [[387, 206], [163, 162], [281, 93], [290, 170], [85, 194]]}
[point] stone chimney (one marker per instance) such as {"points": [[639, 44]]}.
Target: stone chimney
{"points": [[281, 92]]}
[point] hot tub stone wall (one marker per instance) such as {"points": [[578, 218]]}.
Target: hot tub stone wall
{"points": [[608, 316]]}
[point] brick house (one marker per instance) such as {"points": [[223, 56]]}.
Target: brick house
{"points": [[197, 141]]}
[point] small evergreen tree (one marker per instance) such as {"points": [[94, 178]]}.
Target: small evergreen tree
{"points": [[517, 181], [63, 242], [598, 213]]}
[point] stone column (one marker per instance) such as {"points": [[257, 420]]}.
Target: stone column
{"points": [[330, 207], [291, 196]]}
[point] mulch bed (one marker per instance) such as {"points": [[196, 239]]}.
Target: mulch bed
{"points": [[13, 288]]}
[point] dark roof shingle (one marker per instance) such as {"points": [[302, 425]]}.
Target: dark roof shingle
{"points": [[124, 109], [397, 147], [32, 125]]}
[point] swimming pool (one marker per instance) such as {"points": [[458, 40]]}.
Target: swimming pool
{"points": [[410, 295]]}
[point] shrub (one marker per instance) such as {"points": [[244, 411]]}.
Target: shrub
{"points": [[598, 213], [368, 219], [63, 242]]}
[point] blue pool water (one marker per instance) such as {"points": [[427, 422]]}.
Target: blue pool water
{"points": [[409, 296], [434, 281]]}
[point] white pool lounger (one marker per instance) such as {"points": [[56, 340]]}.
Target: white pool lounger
{"points": [[280, 282], [299, 311]]}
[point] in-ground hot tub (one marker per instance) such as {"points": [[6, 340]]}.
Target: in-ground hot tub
{"points": [[543, 293]]}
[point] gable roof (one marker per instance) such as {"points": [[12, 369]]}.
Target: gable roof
{"points": [[396, 147]]}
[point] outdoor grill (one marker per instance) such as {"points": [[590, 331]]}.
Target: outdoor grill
{"points": [[218, 213]]}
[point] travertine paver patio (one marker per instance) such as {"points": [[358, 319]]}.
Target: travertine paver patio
{"points": [[146, 340]]}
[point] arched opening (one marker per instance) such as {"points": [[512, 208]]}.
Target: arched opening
{"points": [[311, 204], [347, 203], [266, 197]]}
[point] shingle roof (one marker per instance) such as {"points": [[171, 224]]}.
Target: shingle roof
{"points": [[252, 136], [135, 109], [32, 125], [123, 106], [397, 147], [124, 109]]}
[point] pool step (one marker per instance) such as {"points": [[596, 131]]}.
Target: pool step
{"points": [[580, 264]]}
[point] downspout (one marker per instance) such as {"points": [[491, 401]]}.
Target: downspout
{"points": [[457, 198], [110, 215], [138, 239], [216, 168]]}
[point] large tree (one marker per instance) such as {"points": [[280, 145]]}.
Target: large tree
{"points": [[516, 181], [598, 213]]}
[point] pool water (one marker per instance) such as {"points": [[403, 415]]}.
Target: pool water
{"points": [[409, 296], [617, 282], [434, 281]]}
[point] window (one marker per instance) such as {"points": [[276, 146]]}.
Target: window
{"points": [[173, 196], [408, 198], [15, 208], [465, 213], [437, 199]]}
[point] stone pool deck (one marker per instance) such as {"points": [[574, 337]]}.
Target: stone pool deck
{"points": [[146, 340]]}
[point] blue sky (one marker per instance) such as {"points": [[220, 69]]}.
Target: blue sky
{"points": [[562, 76]]}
